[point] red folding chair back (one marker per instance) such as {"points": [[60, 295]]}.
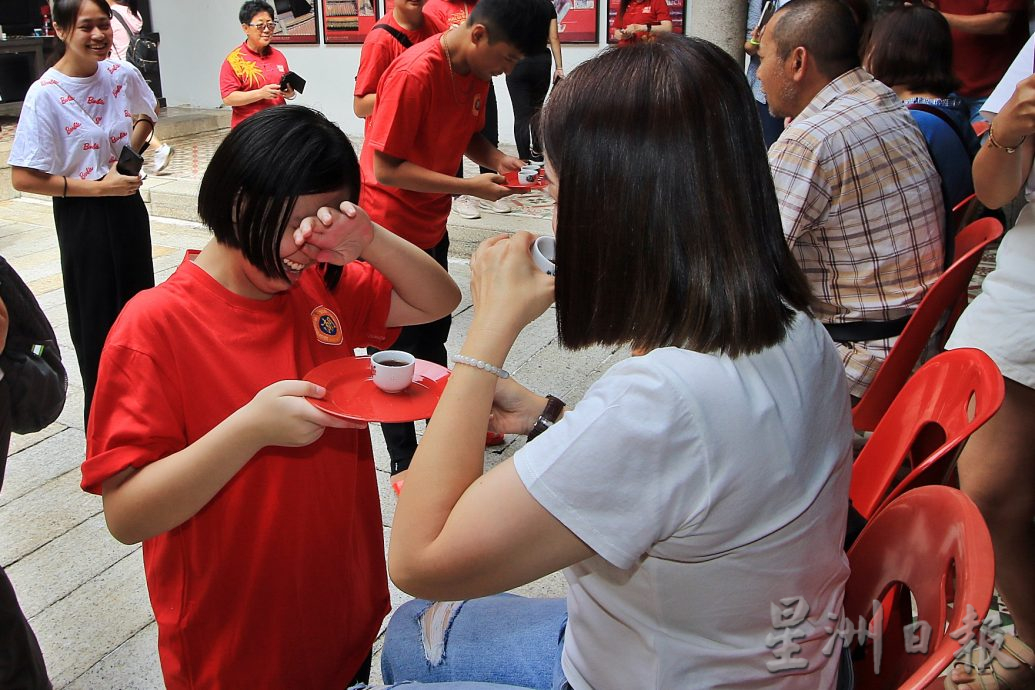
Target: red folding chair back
{"points": [[962, 215], [974, 235], [931, 543], [944, 295], [940, 406]]}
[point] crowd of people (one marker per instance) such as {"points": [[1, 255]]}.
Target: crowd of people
{"points": [[757, 312]]}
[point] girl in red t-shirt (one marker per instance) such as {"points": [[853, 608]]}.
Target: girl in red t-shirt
{"points": [[259, 513], [637, 20]]}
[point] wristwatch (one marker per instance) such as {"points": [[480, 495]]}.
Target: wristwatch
{"points": [[548, 417]]}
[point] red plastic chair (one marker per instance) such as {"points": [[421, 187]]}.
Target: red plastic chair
{"points": [[940, 406], [943, 296], [962, 214], [980, 237], [932, 543]]}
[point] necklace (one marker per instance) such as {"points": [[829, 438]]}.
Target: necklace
{"points": [[449, 61]]}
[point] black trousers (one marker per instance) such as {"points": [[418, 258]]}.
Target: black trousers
{"points": [[105, 245], [426, 341], [528, 84], [21, 662]]}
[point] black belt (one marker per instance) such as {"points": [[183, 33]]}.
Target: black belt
{"points": [[859, 331]]}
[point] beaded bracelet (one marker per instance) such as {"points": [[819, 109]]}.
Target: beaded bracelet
{"points": [[479, 364]]}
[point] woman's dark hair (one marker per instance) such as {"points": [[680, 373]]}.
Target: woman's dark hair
{"points": [[259, 171], [64, 14], [911, 46], [254, 7], [668, 231]]}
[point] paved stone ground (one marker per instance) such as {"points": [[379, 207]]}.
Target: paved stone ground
{"points": [[82, 590]]}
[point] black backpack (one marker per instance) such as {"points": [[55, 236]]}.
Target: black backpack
{"points": [[31, 359], [142, 50]]}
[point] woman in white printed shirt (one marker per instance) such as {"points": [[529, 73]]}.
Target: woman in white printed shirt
{"points": [[74, 123]]}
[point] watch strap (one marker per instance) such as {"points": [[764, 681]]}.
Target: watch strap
{"points": [[548, 417]]}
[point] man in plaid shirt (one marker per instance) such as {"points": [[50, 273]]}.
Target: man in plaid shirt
{"points": [[860, 199]]}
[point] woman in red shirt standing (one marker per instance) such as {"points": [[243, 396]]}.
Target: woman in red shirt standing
{"points": [[638, 19]]}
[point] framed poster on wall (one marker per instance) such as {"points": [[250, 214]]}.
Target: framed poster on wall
{"points": [[676, 10], [577, 21], [296, 22], [349, 21]]}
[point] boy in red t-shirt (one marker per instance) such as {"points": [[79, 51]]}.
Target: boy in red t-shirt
{"points": [[428, 115], [249, 80], [404, 27]]}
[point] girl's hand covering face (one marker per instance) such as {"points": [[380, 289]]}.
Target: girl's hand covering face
{"points": [[335, 236], [507, 288]]}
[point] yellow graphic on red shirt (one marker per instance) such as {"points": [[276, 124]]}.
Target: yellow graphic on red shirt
{"points": [[246, 70]]}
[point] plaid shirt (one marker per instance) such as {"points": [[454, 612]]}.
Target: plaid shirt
{"points": [[862, 210]]}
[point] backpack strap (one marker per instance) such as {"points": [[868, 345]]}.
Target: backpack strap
{"points": [[125, 25], [940, 114], [396, 34]]}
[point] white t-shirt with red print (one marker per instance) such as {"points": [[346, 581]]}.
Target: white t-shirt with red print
{"points": [[76, 126]]}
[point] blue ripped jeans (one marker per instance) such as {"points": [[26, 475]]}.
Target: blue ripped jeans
{"points": [[502, 642]]}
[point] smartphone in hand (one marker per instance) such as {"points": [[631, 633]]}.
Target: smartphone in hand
{"points": [[767, 13], [294, 81], [130, 162]]}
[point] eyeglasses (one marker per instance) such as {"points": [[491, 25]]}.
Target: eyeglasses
{"points": [[268, 26]]}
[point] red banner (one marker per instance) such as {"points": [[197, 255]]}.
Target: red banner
{"points": [[349, 21]]}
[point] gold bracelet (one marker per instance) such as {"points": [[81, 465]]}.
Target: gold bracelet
{"points": [[1008, 149]]}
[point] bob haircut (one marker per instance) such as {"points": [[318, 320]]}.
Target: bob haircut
{"points": [[911, 46], [687, 250], [260, 170]]}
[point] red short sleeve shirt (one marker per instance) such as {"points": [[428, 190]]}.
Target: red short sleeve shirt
{"points": [[245, 70], [649, 12], [380, 48], [424, 114], [449, 13], [981, 60], [280, 580]]}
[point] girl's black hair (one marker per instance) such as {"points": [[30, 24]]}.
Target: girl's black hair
{"points": [[64, 14], [688, 250], [257, 174]]}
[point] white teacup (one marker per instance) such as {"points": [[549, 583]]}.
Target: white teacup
{"points": [[528, 175], [544, 254], [393, 370]]}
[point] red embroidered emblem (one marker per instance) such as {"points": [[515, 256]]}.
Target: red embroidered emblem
{"points": [[326, 325]]}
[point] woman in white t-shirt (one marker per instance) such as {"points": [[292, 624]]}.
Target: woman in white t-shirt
{"points": [[128, 11], [696, 496], [73, 125]]}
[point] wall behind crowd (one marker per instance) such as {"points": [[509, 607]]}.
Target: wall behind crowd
{"points": [[198, 34]]}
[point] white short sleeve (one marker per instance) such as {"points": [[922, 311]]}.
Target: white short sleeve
{"points": [[649, 489]]}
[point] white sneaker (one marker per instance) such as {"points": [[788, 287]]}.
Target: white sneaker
{"points": [[162, 156], [466, 207], [501, 206]]}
